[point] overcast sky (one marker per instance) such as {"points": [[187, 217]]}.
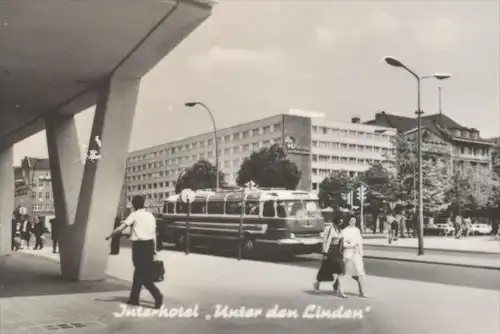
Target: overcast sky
{"points": [[258, 58]]}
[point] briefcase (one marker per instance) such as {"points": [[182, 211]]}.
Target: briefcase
{"points": [[158, 271]]}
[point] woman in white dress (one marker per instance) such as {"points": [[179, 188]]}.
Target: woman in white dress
{"points": [[353, 254]]}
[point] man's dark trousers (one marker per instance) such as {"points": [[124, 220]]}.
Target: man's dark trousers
{"points": [[142, 256]]}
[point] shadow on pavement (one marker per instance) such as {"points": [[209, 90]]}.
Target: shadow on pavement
{"points": [[24, 274]]}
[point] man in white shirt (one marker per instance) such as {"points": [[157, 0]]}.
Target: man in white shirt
{"points": [[143, 236]]}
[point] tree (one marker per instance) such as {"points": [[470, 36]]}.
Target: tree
{"points": [[437, 181], [269, 167], [379, 180], [473, 189], [202, 175], [332, 188]]}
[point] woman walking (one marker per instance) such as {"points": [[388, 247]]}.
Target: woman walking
{"points": [[353, 254], [143, 236], [332, 265]]}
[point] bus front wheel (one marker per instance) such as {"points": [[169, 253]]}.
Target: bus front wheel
{"points": [[180, 242]]}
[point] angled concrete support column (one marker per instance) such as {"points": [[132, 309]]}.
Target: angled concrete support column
{"points": [[66, 170], [102, 179], [6, 199]]}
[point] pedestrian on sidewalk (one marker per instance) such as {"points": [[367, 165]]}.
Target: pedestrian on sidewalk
{"points": [[467, 226], [39, 233], [332, 265], [25, 232], [143, 236], [353, 254], [55, 230], [458, 227], [401, 220], [393, 226]]}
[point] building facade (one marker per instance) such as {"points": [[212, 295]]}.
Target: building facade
{"points": [[33, 187], [495, 156], [442, 138], [317, 147]]}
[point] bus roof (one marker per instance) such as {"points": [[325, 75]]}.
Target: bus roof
{"points": [[253, 194]]}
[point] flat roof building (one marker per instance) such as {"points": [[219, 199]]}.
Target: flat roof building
{"points": [[316, 146]]}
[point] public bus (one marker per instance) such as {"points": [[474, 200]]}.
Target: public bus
{"points": [[275, 221]]}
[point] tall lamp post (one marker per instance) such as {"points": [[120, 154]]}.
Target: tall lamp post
{"points": [[440, 76], [192, 104]]}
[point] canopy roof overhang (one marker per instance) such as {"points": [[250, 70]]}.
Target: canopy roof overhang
{"points": [[54, 53]]}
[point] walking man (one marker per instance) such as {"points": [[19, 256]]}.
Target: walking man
{"points": [[143, 236]]}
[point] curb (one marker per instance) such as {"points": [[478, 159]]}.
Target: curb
{"points": [[443, 250], [463, 265]]}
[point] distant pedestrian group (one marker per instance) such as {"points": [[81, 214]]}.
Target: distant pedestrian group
{"points": [[397, 225], [23, 231], [27, 230]]}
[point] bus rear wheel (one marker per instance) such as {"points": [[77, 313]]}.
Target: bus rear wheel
{"points": [[248, 247]]}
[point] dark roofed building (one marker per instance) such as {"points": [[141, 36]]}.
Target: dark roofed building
{"points": [[33, 187], [442, 136]]}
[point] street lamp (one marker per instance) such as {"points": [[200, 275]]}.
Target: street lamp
{"points": [[440, 76], [192, 104]]}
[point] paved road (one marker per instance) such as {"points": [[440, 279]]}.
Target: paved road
{"points": [[424, 272], [433, 273]]}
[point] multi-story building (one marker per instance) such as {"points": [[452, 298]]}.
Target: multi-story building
{"points": [[33, 187], [317, 147], [495, 155], [442, 138]]}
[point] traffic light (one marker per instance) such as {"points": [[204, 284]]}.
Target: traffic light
{"points": [[361, 194]]}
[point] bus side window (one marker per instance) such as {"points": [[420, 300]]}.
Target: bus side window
{"points": [[198, 208], [181, 207], [170, 207], [215, 208], [252, 208], [233, 208], [280, 208], [268, 209]]}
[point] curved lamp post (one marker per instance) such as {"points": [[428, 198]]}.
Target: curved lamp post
{"points": [[193, 104], [440, 76]]}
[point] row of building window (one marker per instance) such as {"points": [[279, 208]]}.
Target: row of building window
{"points": [[333, 159], [348, 133], [327, 172], [43, 207], [208, 142], [471, 151], [247, 148], [350, 147]]}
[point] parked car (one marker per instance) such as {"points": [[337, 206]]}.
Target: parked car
{"points": [[481, 229], [438, 229]]}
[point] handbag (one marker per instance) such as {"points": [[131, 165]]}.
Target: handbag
{"points": [[158, 271]]}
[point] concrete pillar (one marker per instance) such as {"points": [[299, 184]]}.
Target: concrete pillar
{"points": [[86, 251], [6, 199], [66, 169]]}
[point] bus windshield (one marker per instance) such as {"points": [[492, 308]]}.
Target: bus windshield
{"points": [[299, 209]]}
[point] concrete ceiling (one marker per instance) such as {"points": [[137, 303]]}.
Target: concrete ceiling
{"points": [[53, 52]]}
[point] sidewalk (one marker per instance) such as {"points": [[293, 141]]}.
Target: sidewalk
{"points": [[31, 297], [475, 244], [458, 260]]}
